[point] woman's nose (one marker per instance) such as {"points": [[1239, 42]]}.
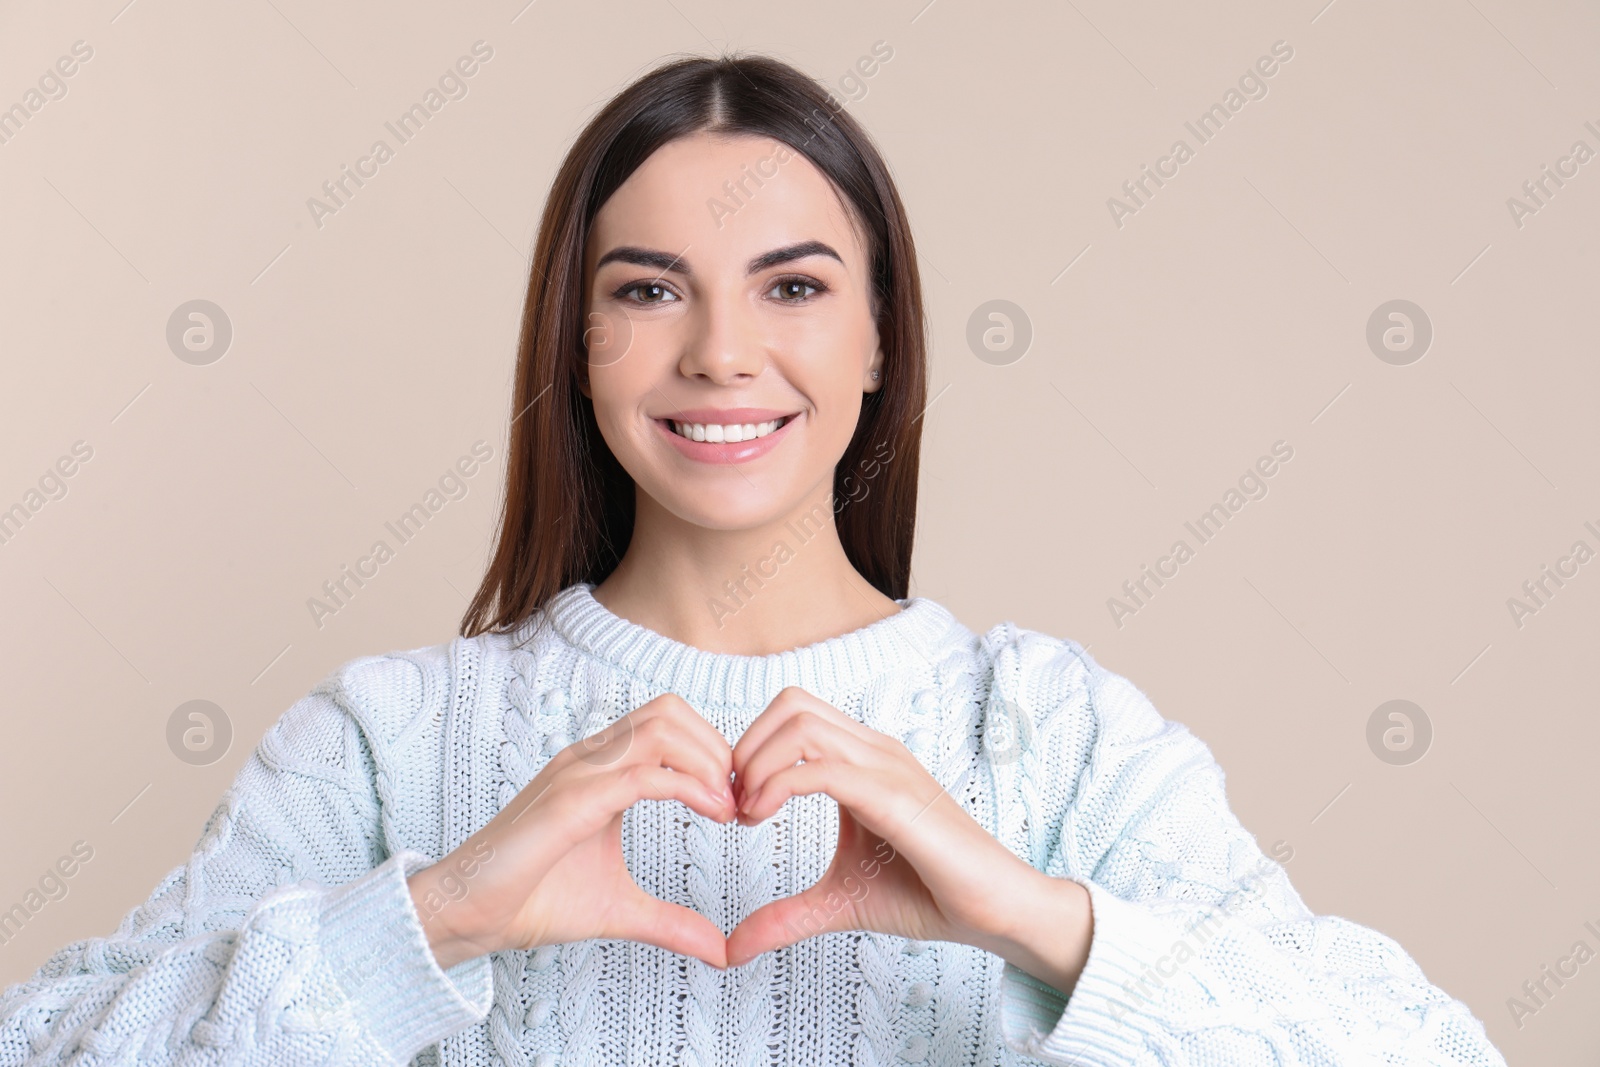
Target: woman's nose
{"points": [[725, 342]]}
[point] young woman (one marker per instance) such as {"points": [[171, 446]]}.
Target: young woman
{"points": [[870, 836]]}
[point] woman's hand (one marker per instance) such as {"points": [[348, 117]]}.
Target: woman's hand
{"points": [[549, 867], [910, 861]]}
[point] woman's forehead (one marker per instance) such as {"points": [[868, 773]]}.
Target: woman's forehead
{"points": [[725, 198]]}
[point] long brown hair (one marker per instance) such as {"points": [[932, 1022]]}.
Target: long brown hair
{"points": [[567, 513]]}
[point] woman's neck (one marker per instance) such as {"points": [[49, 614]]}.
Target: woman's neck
{"points": [[746, 592]]}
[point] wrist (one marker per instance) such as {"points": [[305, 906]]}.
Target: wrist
{"points": [[451, 942], [1049, 932]]}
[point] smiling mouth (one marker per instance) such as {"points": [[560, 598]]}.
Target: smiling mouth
{"points": [[731, 433]]}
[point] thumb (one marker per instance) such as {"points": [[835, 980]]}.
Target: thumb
{"points": [[784, 922], [673, 927]]}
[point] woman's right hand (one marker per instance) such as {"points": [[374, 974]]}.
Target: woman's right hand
{"points": [[548, 869]]}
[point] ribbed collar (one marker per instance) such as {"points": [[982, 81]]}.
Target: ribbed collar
{"points": [[918, 632]]}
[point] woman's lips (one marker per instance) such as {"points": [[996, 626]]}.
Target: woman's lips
{"points": [[724, 451]]}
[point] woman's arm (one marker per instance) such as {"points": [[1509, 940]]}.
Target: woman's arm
{"points": [[289, 937], [1201, 951]]}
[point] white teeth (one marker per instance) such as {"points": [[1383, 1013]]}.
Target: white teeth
{"points": [[733, 432]]}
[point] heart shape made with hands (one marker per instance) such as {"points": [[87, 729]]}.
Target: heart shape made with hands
{"points": [[909, 860]]}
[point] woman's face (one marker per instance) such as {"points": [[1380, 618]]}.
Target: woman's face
{"points": [[727, 291]]}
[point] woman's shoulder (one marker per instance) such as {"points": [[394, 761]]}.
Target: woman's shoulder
{"points": [[1047, 676], [1039, 661], [387, 693]]}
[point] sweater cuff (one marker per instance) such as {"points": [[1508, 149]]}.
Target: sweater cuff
{"points": [[1100, 1024], [399, 996]]}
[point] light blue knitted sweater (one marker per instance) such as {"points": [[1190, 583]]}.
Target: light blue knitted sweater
{"points": [[289, 936]]}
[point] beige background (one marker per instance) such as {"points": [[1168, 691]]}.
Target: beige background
{"points": [[1168, 354]]}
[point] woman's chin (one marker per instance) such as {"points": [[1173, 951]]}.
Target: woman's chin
{"points": [[743, 516]]}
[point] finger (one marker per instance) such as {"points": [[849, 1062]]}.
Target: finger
{"points": [[804, 736], [583, 799], [820, 776], [663, 741], [785, 922], [789, 700], [628, 785], [953, 855], [680, 710], [672, 704], [663, 733], [670, 926], [676, 717]]}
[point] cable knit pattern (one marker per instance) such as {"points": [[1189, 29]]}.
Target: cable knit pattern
{"points": [[289, 936], [703, 983], [754, 884]]}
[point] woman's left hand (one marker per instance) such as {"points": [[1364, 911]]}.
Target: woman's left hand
{"points": [[910, 861]]}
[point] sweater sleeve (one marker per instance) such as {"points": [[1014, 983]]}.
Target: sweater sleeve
{"points": [[1202, 952], [288, 937]]}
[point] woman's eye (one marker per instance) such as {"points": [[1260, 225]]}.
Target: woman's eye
{"points": [[786, 290], [789, 291], [661, 292]]}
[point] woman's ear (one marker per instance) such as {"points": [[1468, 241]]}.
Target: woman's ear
{"points": [[583, 381], [874, 379]]}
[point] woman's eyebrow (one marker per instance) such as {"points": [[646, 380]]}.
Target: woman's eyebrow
{"points": [[665, 261]]}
